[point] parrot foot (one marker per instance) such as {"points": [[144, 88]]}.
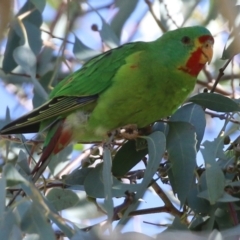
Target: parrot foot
{"points": [[129, 132]]}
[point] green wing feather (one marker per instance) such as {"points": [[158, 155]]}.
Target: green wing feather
{"points": [[95, 76], [77, 90], [59, 106]]}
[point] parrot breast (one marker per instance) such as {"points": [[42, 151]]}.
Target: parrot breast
{"points": [[140, 94]]}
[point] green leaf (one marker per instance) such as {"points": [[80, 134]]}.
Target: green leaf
{"points": [[197, 204], [13, 177], [39, 223], [38, 99], [215, 102], [94, 186], [33, 36], [45, 63], [14, 38], [193, 114], [107, 182], [62, 198], [21, 208], [234, 184], [86, 235], [125, 9], [60, 160], [22, 162], [2, 196], [46, 208], [177, 225], [107, 34], [214, 176], [24, 57], [6, 224], [126, 158], [156, 148], [86, 208], [161, 127], [232, 47], [83, 52], [181, 146], [228, 198], [77, 177], [13, 41], [16, 233], [222, 217], [39, 4]]}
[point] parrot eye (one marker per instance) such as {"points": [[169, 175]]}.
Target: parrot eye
{"points": [[186, 40]]}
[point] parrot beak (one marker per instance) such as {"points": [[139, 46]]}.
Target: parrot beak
{"points": [[207, 52]]}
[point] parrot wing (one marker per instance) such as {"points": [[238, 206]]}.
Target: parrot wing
{"points": [[77, 90], [30, 122]]}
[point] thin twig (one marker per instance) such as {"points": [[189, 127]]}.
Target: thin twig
{"points": [[163, 209], [169, 207], [218, 89], [168, 15], [154, 16], [221, 116], [232, 81], [18, 140], [54, 36], [221, 73]]}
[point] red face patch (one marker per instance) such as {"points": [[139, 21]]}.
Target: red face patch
{"points": [[193, 67]]}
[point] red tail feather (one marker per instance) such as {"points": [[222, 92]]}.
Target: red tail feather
{"points": [[61, 138]]}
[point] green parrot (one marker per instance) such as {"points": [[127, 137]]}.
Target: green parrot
{"points": [[136, 83]]}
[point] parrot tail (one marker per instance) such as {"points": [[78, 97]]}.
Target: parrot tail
{"points": [[58, 137]]}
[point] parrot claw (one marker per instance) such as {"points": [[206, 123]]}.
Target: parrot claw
{"points": [[129, 132]]}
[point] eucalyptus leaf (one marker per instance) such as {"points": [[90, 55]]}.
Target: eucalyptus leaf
{"points": [[39, 224], [39, 4], [2, 196], [6, 224], [215, 102], [125, 9], [194, 114], [22, 162], [108, 36], [13, 177], [94, 186], [83, 52], [14, 39], [107, 182], [126, 158], [77, 177], [24, 56], [181, 146], [62, 198], [214, 175], [156, 148]]}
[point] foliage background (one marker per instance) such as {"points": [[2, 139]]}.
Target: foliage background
{"points": [[43, 42]]}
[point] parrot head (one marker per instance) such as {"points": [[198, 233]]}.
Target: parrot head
{"points": [[189, 48]]}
